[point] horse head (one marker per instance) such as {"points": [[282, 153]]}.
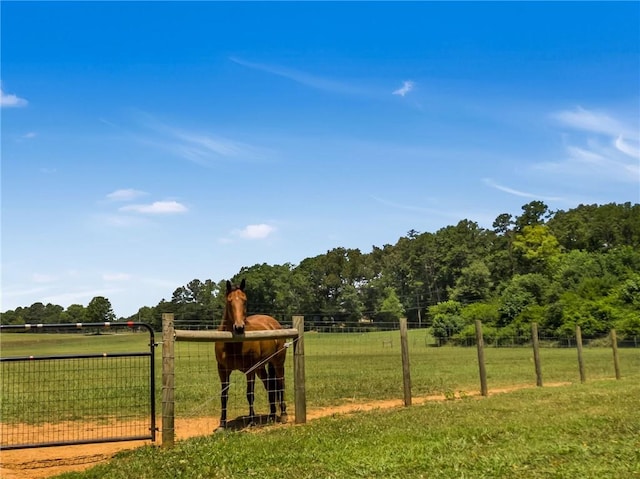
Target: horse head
{"points": [[236, 307]]}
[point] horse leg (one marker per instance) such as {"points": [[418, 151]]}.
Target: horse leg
{"points": [[224, 396], [269, 385], [251, 382], [279, 390]]}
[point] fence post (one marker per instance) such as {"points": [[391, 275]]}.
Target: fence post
{"points": [[406, 370], [614, 346], [481, 365], [168, 377], [536, 353], [298, 372], [580, 360]]}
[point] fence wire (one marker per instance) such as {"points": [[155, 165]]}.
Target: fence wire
{"points": [[62, 386], [74, 400]]}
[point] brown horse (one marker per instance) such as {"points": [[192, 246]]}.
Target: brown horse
{"points": [[263, 357]]}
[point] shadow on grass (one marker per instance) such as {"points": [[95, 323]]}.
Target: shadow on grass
{"points": [[242, 422]]}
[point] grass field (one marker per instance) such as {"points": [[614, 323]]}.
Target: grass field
{"points": [[340, 368], [580, 430], [587, 430]]}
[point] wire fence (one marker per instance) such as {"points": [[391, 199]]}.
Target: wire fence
{"points": [[64, 397], [363, 366], [104, 397]]}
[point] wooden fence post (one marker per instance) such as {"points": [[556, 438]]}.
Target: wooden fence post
{"points": [[536, 353], [406, 370], [580, 359], [481, 365], [298, 371], [614, 346], [168, 377]]}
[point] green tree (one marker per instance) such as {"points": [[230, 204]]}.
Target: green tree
{"points": [[391, 309], [521, 292], [35, 314], [533, 214], [488, 313], [351, 304], [537, 247], [473, 284], [446, 320], [75, 313], [99, 310], [148, 315]]}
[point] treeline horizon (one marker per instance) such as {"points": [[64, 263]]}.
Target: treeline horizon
{"points": [[556, 268]]}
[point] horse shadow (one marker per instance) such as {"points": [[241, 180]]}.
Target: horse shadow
{"points": [[243, 422]]}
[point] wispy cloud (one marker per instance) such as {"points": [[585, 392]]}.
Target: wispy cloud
{"points": [[156, 208], [126, 194], [304, 78], [593, 121], [627, 148], [600, 146], [202, 148], [406, 87], [522, 194], [8, 100]]}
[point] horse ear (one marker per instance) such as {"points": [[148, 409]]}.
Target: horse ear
{"points": [[242, 284], [228, 286]]}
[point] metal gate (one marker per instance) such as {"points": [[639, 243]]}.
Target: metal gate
{"points": [[66, 399]]}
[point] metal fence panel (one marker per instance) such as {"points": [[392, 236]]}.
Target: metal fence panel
{"points": [[64, 399]]}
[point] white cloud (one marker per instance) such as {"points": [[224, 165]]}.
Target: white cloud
{"points": [[260, 231], [406, 87], [127, 194], [10, 100], [522, 194], [157, 208]]}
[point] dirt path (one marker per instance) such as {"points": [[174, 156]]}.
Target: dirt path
{"points": [[46, 462]]}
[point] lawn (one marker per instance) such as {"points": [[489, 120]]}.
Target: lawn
{"points": [[340, 368], [587, 430]]}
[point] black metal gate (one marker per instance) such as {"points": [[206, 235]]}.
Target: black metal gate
{"points": [[65, 399]]}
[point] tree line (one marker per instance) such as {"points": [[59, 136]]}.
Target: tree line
{"points": [[557, 268]]}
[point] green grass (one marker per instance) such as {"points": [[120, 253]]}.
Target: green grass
{"points": [[42, 344], [587, 430], [340, 368]]}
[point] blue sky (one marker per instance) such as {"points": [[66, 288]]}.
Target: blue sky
{"points": [[148, 144]]}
